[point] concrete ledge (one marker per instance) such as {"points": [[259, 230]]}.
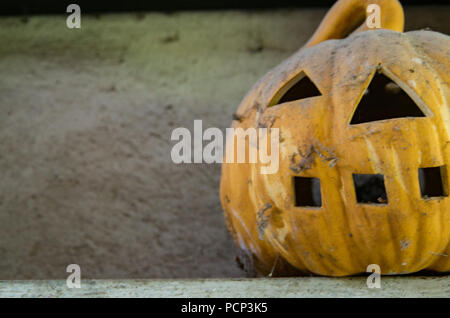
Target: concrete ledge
{"points": [[409, 286]]}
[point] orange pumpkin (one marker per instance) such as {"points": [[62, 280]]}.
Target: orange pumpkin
{"points": [[364, 146]]}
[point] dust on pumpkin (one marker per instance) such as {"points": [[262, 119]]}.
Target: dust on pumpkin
{"points": [[262, 220], [308, 157]]}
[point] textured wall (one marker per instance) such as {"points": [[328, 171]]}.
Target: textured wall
{"points": [[85, 123]]}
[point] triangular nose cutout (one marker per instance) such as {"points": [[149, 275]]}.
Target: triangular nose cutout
{"points": [[300, 89], [384, 99]]}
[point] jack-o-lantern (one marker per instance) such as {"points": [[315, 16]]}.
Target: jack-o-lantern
{"points": [[364, 153]]}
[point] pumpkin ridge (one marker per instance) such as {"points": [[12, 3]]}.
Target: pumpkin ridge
{"points": [[443, 210], [326, 128]]}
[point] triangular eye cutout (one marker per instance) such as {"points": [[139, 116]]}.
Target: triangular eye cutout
{"points": [[299, 87], [384, 99]]}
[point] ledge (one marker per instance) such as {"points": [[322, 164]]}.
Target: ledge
{"points": [[408, 286]]}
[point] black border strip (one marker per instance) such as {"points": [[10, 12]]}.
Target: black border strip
{"points": [[32, 7]]}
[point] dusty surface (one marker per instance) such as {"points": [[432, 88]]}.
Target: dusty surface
{"points": [[418, 286], [85, 123]]}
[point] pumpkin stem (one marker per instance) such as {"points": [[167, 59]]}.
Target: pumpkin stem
{"points": [[349, 16]]}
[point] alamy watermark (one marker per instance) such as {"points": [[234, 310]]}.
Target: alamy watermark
{"points": [[373, 20], [73, 21], [74, 279], [252, 145], [374, 279]]}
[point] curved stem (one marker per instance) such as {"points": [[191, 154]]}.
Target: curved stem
{"points": [[349, 16]]}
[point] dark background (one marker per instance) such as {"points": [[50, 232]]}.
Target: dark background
{"points": [[28, 7]]}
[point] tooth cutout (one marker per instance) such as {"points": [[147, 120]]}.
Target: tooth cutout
{"points": [[370, 188], [299, 87], [431, 182], [307, 192], [384, 99]]}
